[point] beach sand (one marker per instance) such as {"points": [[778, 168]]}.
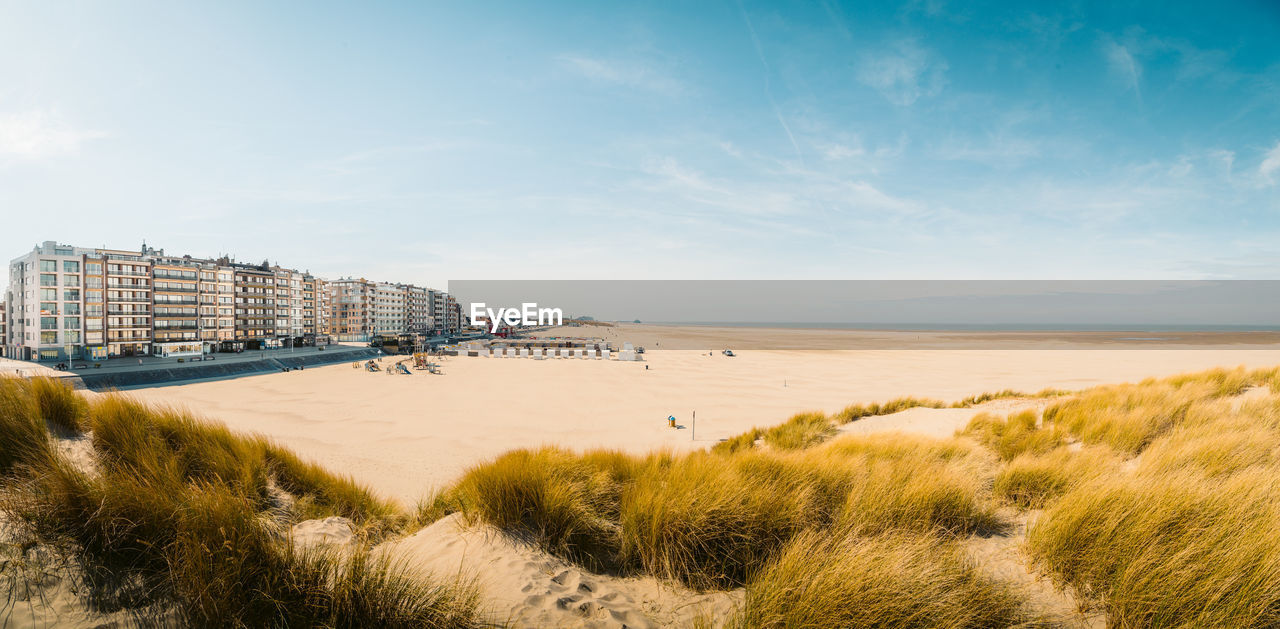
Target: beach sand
{"points": [[404, 435]]}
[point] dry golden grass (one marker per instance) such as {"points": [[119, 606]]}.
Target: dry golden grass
{"points": [[713, 520], [177, 523], [1186, 535], [820, 581], [1013, 435], [1030, 481], [808, 429]]}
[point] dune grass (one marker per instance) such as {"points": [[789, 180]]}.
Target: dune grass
{"points": [[890, 581], [24, 440], [807, 429], [1187, 534], [1170, 551], [1013, 435], [863, 531], [854, 412], [62, 412], [711, 520], [1031, 481], [178, 522], [801, 431]]}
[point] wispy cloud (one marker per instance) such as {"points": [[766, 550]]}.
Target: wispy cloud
{"points": [[627, 73], [40, 134], [1123, 64], [768, 83], [1270, 164], [904, 74]]}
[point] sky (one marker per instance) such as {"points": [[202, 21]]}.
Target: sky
{"points": [[427, 142]]}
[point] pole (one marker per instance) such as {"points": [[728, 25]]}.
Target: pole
{"points": [[693, 434]]}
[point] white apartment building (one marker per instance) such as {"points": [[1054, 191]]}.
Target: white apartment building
{"points": [[389, 316], [45, 303]]}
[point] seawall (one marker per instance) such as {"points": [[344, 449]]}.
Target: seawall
{"points": [[171, 374]]}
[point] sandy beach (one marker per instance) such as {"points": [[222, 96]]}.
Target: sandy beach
{"points": [[403, 435]]}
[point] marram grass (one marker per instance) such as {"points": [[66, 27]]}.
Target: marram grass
{"points": [[177, 525]]}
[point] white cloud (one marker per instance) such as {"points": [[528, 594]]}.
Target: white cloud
{"points": [[1227, 158], [1270, 164], [731, 149], [38, 134], [1123, 64], [904, 74], [841, 151], [627, 73]]}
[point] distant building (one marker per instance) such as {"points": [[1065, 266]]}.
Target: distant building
{"points": [[362, 310]]}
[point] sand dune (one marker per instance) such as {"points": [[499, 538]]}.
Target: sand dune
{"points": [[530, 588], [403, 435]]}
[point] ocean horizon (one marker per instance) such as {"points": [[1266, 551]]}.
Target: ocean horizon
{"points": [[976, 327]]}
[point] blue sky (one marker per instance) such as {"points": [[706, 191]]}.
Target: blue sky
{"points": [[420, 142]]}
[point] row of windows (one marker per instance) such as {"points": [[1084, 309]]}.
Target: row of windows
{"points": [[68, 266]]}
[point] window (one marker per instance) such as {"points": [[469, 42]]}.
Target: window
{"points": [[71, 294], [48, 308], [48, 294], [70, 280], [93, 282], [48, 338], [71, 266], [48, 266], [48, 323], [49, 279], [71, 323], [71, 308], [71, 336], [93, 268]]}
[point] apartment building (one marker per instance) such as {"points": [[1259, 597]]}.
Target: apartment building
{"points": [[75, 303], [193, 305], [362, 309], [418, 318], [255, 307], [45, 304], [351, 310], [4, 351]]}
